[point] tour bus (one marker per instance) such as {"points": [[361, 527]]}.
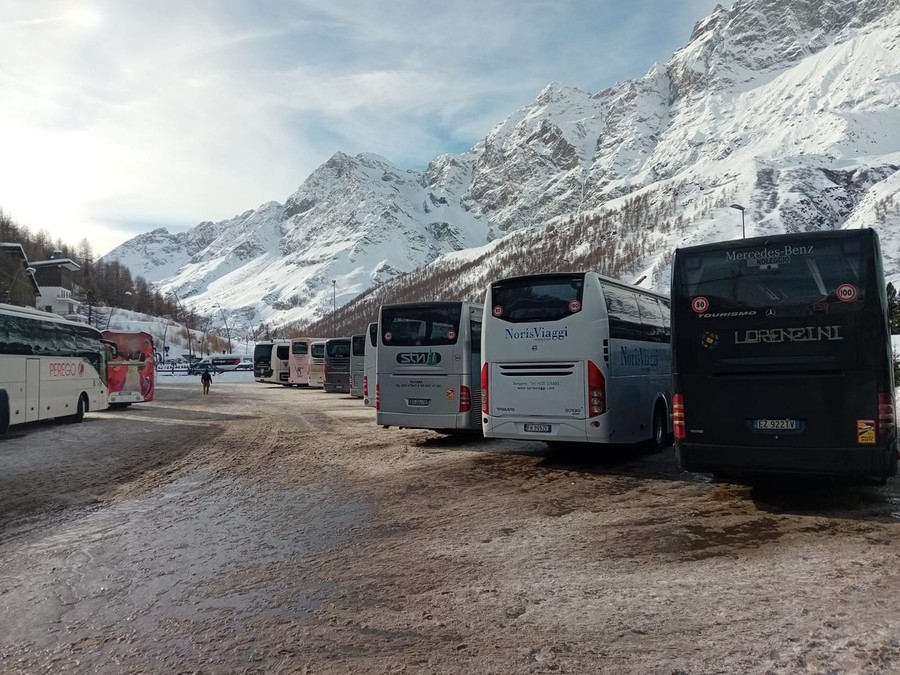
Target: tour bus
{"points": [[369, 359], [270, 361], [222, 363], [357, 364], [317, 364], [281, 354], [336, 369], [300, 360], [428, 358], [782, 356], [49, 367], [576, 357], [131, 374]]}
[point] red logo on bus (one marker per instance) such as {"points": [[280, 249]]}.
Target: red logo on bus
{"points": [[497, 311], [574, 306], [699, 304]]}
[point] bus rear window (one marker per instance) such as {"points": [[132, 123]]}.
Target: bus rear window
{"points": [[300, 348], [434, 324], [532, 299], [318, 350], [359, 345], [817, 278], [337, 349]]}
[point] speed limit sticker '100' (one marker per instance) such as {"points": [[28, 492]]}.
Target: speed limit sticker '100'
{"points": [[846, 292]]}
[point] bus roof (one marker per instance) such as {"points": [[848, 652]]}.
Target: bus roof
{"points": [[856, 233], [31, 313], [605, 279]]}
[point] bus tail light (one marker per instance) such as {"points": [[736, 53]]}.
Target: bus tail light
{"points": [[366, 386], [377, 396], [678, 416], [885, 416], [484, 389], [596, 390], [465, 399]]}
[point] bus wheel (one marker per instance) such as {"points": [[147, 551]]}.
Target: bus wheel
{"points": [[4, 411], [79, 411], [660, 437]]}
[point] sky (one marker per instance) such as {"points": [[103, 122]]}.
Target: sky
{"points": [[118, 117]]}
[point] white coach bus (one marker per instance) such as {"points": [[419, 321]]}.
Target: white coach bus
{"points": [[576, 358], [429, 354], [358, 365], [300, 360], [49, 367], [369, 364]]}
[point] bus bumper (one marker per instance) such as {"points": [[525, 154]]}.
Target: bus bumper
{"points": [[434, 422], [561, 431], [854, 461]]}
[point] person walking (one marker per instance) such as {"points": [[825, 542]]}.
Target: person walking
{"points": [[206, 379]]}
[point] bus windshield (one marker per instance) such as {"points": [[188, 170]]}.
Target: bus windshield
{"points": [[775, 305], [537, 298], [821, 278], [428, 325], [337, 349]]}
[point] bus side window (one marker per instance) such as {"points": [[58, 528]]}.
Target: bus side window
{"points": [[653, 326], [624, 315], [665, 309]]}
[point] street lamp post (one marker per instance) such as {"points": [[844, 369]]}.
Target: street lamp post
{"points": [[743, 229], [227, 331], [333, 307], [184, 318]]}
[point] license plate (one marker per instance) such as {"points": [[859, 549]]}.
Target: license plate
{"points": [[539, 428], [418, 402], [776, 425]]}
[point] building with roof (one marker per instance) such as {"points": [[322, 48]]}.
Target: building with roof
{"points": [[17, 283]]}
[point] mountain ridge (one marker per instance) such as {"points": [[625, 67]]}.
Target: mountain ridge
{"points": [[786, 108]]}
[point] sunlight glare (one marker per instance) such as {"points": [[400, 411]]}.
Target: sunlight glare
{"points": [[82, 17]]}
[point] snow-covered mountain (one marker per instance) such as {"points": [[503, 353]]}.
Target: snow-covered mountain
{"points": [[790, 108]]}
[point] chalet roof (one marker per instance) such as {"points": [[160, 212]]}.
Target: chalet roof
{"points": [[15, 249], [67, 263]]}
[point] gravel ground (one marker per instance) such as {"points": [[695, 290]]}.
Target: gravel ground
{"points": [[272, 529]]}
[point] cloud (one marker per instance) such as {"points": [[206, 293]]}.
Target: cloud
{"points": [[177, 112]]}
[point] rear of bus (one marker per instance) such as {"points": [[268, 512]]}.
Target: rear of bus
{"points": [[337, 365], [317, 364], [262, 361], [281, 353], [426, 364], [299, 361], [782, 356], [371, 353], [543, 376], [131, 374], [357, 364]]}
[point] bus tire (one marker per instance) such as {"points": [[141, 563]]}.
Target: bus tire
{"points": [[4, 411], [80, 410], [660, 436]]}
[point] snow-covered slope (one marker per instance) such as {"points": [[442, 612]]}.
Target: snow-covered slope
{"points": [[790, 108]]}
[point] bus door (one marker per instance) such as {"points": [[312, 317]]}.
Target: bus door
{"points": [[33, 390], [780, 348]]}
